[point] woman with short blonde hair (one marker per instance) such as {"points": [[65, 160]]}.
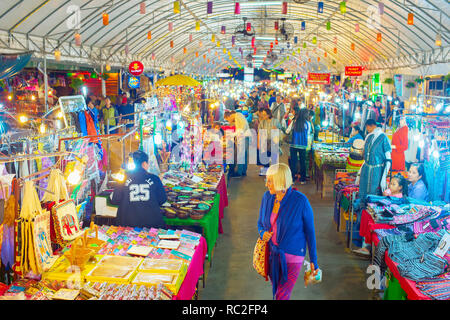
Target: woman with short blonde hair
{"points": [[286, 221]]}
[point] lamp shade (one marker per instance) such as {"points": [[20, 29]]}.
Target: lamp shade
{"points": [[328, 25], [284, 7], [320, 7], [176, 7], [105, 17], [171, 43], [303, 25], [411, 18], [197, 25], [343, 7], [149, 35], [209, 7], [379, 36], [237, 8]]}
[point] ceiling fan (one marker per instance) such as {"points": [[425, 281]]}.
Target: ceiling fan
{"points": [[241, 33], [285, 31]]}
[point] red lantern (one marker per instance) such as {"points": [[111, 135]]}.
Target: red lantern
{"points": [[271, 45], [318, 59], [379, 36], [184, 50], [284, 7], [237, 8], [276, 42], [352, 46], [325, 54], [249, 26], [196, 54], [410, 18], [335, 50], [171, 43], [149, 35], [253, 42], [276, 25]]}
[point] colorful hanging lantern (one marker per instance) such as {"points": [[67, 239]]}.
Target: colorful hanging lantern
{"points": [[379, 36], [170, 26], [184, 50], [438, 40], [190, 38], [77, 39], [107, 67], [276, 25], [224, 50], [204, 56], [105, 19], [381, 8], [209, 7], [309, 60], [171, 43], [149, 35], [276, 42], [325, 54], [314, 40], [335, 50], [253, 42], [197, 25], [295, 39], [303, 26], [271, 45], [207, 60], [209, 50], [237, 8], [213, 38], [357, 27], [320, 7], [218, 43], [352, 46], [196, 54], [304, 45], [176, 7], [233, 40], [328, 25], [411, 18], [335, 40], [249, 26], [172, 59], [343, 7], [284, 7], [57, 55], [153, 56], [222, 30], [142, 7], [318, 59]]}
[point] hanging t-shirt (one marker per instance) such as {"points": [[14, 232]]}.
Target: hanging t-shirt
{"points": [[413, 145]]}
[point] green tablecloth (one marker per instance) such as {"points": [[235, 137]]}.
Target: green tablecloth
{"points": [[209, 223]]}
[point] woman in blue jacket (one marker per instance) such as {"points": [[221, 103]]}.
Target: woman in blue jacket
{"points": [[286, 221]]}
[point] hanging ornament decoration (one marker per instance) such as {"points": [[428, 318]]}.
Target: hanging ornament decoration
{"points": [[249, 26], [357, 27], [304, 45], [271, 45], [253, 42], [190, 38], [172, 59], [343, 7], [380, 8], [284, 7], [379, 36], [153, 56], [209, 7], [224, 50], [438, 40], [77, 39], [105, 17], [197, 25], [170, 26], [303, 26], [335, 40], [309, 60], [108, 67], [176, 7], [171, 43], [204, 56], [295, 40], [218, 43], [184, 50], [318, 59], [233, 40], [213, 38], [209, 50], [352, 46], [314, 40], [142, 7], [276, 25], [335, 50], [183, 63], [149, 35], [320, 7], [325, 54], [276, 42], [57, 55], [328, 25], [411, 18], [237, 8], [200, 43], [196, 54]]}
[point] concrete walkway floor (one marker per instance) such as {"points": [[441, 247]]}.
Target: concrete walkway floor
{"points": [[232, 276]]}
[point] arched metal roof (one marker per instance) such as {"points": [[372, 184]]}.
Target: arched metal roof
{"points": [[44, 25]]}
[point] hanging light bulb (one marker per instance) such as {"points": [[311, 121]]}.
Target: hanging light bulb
{"points": [[23, 119]]}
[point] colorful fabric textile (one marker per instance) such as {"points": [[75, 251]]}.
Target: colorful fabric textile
{"points": [[283, 291]]}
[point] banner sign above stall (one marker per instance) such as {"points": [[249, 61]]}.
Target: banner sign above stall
{"points": [[353, 71], [136, 68], [318, 78], [134, 82]]}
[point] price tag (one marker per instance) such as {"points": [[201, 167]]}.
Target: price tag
{"points": [[443, 246]]}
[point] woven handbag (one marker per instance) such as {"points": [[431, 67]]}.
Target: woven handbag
{"points": [[261, 256]]}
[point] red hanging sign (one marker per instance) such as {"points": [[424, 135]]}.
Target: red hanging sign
{"points": [[136, 68], [319, 78], [353, 71]]}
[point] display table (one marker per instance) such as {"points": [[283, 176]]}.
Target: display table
{"points": [[368, 226], [194, 272], [223, 192], [324, 173], [407, 285], [209, 223]]}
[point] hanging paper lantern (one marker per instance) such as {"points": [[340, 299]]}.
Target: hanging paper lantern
{"points": [[253, 42], [218, 43], [271, 45], [142, 7], [314, 40], [77, 39], [204, 56], [153, 56], [237, 8], [284, 7], [325, 54], [105, 19], [381, 7], [411, 19], [57, 55], [249, 26], [196, 54], [170, 26], [224, 50], [176, 7], [213, 38], [184, 50], [276, 42], [254, 50], [107, 67], [335, 40], [309, 60], [438, 40], [233, 39], [304, 45], [352, 46], [171, 43], [320, 7], [197, 25], [276, 25], [183, 63], [343, 7], [335, 50], [357, 27], [209, 7], [222, 30], [209, 50], [303, 26], [149, 35], [379, 36], [318, 59], [328, 25], [295, 39], [190, 38]]}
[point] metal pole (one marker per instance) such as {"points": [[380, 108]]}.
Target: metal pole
{"points": [[103, 85], [45, 83]]}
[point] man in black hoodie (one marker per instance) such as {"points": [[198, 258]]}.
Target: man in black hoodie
{"points": [[139, 198]]}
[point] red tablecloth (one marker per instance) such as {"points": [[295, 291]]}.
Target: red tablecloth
{"points": [[195, 270], [368, 226], [222, 190], [408, 285]]}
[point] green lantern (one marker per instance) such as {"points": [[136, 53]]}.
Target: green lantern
{"points": [[343, 7], [94, 75], [314, 40], [328, 25], [304, 45]]}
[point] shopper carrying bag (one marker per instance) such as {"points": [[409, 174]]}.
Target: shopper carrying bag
{"points": [[286, 226]]}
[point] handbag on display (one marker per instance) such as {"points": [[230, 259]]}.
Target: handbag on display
{"points": [[261, 256], [65, 221], [357, 150]]}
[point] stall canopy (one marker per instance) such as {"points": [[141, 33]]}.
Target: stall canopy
{"points": [[11, 64], [207, 36]]}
